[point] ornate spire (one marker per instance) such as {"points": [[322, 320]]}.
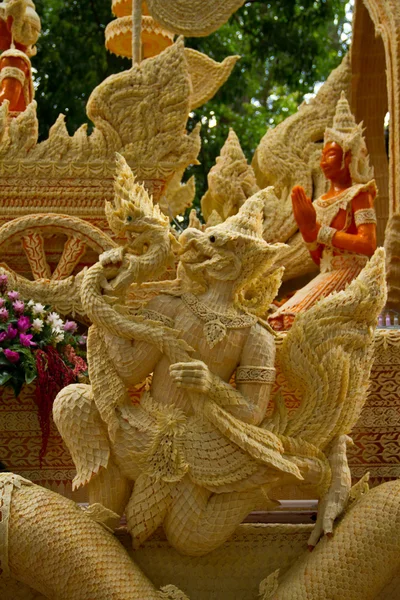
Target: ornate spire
{"points": [[349, 136]]}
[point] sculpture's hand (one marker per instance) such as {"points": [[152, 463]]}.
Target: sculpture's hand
{"points": [[112, 257], [304, 214], [194, 376]]}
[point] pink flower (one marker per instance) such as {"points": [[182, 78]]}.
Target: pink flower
{"points": [[70, 326], [3, 336], [82, 340], [11, 332], [18, 306], [23, 323], [26, 339], [14, 295], [2, 301], [3, 282], [12, 356], [3, 314]]}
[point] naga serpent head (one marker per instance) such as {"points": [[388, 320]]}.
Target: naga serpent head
{"points": [[133, 212]]}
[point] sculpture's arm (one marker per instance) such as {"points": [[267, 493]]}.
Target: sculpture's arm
{"points": [[137, 359], [364, 241], [255, 376]]}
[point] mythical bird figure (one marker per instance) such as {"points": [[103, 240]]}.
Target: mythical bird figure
{"points": [[197, 453]]}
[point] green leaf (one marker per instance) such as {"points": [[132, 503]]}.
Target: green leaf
{"points": [[5, 376]]}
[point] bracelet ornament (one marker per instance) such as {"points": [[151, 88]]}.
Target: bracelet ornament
{"points": [[364, 216], [325, 235], [255, 375]]}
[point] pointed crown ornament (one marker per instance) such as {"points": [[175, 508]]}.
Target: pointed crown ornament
{"points": [[349, 136]]}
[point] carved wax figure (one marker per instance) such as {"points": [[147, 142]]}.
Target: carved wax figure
{"points": [[19, 31], [339, 228]]}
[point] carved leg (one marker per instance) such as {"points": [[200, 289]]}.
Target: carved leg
{"points": [[199, 521], [85, 434], [335, 501], [109, 488]]}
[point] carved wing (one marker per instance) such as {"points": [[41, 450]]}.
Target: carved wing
{"points": [[328, 353]]}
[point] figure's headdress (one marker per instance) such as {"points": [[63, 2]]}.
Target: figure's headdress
{"points": [[349, 136], [256, 255]]}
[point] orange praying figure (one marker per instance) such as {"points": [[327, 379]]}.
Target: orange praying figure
{"points": [[19, 31], [339, 228]]}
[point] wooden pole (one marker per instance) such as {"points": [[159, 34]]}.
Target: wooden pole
{"points": [[136, 31]]}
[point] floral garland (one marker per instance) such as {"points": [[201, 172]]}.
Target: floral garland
{"points": [[37, 345]]}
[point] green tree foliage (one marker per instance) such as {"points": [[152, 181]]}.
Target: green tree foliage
{"points": [[286, 47]]}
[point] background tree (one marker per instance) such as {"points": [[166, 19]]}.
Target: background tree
{"points": [[286, 47]]}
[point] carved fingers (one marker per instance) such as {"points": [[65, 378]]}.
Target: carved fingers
{"points": [[303, 209], [112, 257], [194, 376]]}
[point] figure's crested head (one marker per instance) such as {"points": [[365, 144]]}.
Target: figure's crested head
{"points": [[349, 136], [133, 209], [232, 250]]}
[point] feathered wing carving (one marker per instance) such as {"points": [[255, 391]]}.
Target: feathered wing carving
{"points": [[193, 17], [327, 357], [148, 107], [207, 75]]}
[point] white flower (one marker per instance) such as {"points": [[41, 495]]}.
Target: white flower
{"points": [[38, 309], [31, 303], [37, 325], [55, 320], [58, 334]]}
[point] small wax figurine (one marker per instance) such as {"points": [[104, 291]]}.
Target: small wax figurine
{"points": [[387, 320], [380, 320], [19, 31], [339, 228]]}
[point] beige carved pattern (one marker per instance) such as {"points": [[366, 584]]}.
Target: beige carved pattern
{"points": [[33, 245], [64, 295], [73, 251], [207, 75], [32, 510], [74, 174], [193, 17], [289, 155], [230, 181], [368, 525]]}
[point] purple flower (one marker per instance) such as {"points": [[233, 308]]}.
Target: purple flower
{"points": [[3, 336], [82, 340], [18, 306], [70, 326], [3, 314], [12, 356], [11, 332], [3, 282], [14, 295], [26, 339], [23, 323]]}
